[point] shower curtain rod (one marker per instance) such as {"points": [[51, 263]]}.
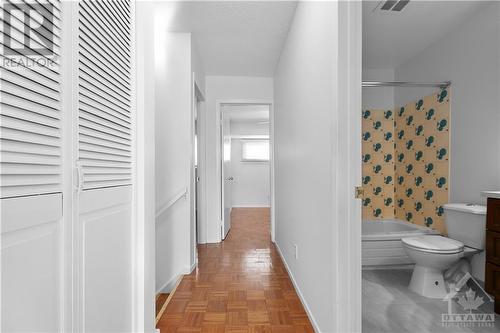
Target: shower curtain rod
{"points": [[443, 84]]}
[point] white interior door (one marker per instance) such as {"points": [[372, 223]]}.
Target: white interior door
{"points": [[30, 168], [104, 145], [227, 178]]}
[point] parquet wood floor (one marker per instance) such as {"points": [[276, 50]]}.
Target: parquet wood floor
{"points": [[240, 285]]}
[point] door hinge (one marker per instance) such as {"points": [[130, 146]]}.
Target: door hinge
{"points": [[359, 192]]}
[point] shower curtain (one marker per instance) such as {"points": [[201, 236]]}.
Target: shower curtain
{"points": [[406, 161]]}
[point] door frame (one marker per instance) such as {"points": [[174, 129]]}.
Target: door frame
{"points": [[347, 235], [197, 209], [218, 117], [223, 176], [144, 205]]}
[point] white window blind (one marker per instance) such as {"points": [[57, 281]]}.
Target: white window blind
{"points": [[105, 97], [255, 150], [30, 99]]}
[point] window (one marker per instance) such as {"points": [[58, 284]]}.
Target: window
{"points": [[255, 151]]}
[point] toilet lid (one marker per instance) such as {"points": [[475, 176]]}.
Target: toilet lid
{"points": [[432, 243]]}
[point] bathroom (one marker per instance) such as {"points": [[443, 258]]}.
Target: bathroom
{"points": [[431, 83]]}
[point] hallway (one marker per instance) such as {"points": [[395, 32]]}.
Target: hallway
{"points": [[129, 130], [241, 285]]}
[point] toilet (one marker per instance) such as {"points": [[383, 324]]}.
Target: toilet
{"points": [[434, 254]]}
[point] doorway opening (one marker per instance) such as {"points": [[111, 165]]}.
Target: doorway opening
{"points": [[246, 159], [197, 171]]}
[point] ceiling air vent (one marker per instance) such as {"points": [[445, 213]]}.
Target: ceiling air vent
{"points": [[393, 5]]}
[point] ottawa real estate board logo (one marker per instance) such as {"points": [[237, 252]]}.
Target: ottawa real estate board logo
{"points": [[28, 34], [469, 305]]}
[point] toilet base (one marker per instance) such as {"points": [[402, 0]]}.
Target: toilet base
{"points": [[428, 282]]}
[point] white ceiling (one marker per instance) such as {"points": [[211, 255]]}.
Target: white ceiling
{"points": [[233, 37], [247, 113], [392, 38]]}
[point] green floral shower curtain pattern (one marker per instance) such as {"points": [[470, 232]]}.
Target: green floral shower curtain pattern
{"points": [[420, 161], [378, 164]]}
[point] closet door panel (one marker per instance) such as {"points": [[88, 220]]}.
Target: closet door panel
{"points": [[107, 280], [31, 229], [104, 114], [30, 168], [104, 145]]}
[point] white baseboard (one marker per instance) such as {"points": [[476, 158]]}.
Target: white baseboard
{"points": [[212, 241], [170, 284], [297, 289], [252, 206], [193, 267]]}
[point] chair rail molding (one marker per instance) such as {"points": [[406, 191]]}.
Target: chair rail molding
{"points": [[181, 194]]}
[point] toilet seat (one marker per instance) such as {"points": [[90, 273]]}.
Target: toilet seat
{"points": [[434, 244]]}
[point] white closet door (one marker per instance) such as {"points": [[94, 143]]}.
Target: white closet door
{"points": [[105, 94], [30, 167], [104, 144]]}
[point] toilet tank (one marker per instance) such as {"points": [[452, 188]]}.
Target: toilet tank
{"points": [[466, 223]]}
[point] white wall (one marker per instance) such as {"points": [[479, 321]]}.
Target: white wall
{"points": [[379, 97], [305, 110], [197, 67], [174, 144], [472, 64], [219, 88], [251, 185]]}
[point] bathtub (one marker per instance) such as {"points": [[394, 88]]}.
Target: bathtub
{"points": [[381, 241]]}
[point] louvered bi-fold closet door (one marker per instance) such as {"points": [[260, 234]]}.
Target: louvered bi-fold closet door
{"points": [[30, 166], [104, 141], [31, 105], [105, 94]]}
